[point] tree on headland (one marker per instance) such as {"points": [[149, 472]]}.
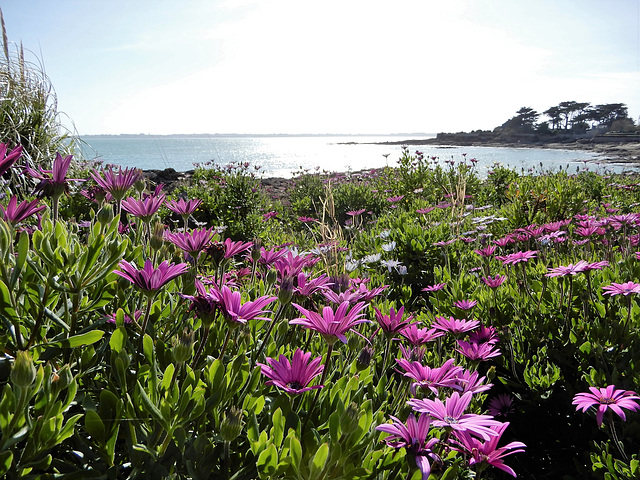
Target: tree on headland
{"points": [[523, 122]]}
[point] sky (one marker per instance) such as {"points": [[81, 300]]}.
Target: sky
{"points": [[336, 66]]}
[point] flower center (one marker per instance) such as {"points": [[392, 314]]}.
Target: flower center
{"points": [[607, 400], [295, 385], [450, 419]]}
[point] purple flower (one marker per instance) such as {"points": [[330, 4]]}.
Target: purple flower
{"points": [[477, 351], [127, 319], [8, 159], [570, 269], [434, 288], [355, 213], [293, 377], [269, 216], [501, 405], [143, 209], [332, 325], [454, 325], [484, 334], [465, 304], [486, 251], [468, 381], [307, 287], [419, 336], [518, 257], [149, 279], [53, 183], [236, 312], [413, 437], [621, 288], [15, 213], [450, 414], [183, 207], [425, 210], [268, 257], [431, 378], [395, 199], [494, 282], [392, 323], [488, 451], [191, 242], [117, 184], [607, 398]]}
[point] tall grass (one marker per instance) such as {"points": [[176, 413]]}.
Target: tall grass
{"points": [[29, 108]]}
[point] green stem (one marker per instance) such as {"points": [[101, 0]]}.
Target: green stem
{"points": [[327, 364]]}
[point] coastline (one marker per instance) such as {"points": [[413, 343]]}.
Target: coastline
{"points": [[613, 152]]}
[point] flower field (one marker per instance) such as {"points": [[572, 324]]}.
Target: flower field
{"points": [[416, 322]]}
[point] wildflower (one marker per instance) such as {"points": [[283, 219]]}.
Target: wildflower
{"points": [[419, 336], [268, 257], [269, 216], [332, 325], [570, 269], [117, 184], [413, 437], [431, 378], [484, 334], [191, 242], [621, 288], [308, 219], [293, 377], [236, 312], [494, 282], [8, 159], [467, 381], [395, 199], [143, 209], [514, 258], [14, 213], [148, 279], [434, 288], [607, 398], [307, 287], [425, 210], [391, 264], [501, 405], [450, 414], [53, 183], [183, 207], [465, 304], [486, 251], [454, 325], [392, 323], [488, 452], [355, 213], [231, 248], [477, 351]]}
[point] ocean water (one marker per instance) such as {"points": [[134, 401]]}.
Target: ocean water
{"points": [[283, 156]]}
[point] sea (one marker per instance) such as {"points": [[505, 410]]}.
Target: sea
{"points": [[287, 155]]}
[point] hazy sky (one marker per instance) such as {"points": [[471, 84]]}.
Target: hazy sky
{"points": [[343, 66]]}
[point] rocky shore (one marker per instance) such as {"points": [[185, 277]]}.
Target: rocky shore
{"points": [[276, 187]]}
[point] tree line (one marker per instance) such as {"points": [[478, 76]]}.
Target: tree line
{"points": [[572, 117]]}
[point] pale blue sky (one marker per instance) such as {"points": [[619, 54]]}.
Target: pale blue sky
{"points": [[336, 66]]}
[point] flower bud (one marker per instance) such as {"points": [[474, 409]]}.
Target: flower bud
{"points": [[183, 346], [285, 294], [23, 372], [157, 237], [255, 251], [105, 215], [364, 359], [231, 426], [349, 419], [271, 277], [140, 184]]}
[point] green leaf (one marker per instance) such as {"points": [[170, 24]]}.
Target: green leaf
{"points": [[151, 408], [295, 451], [319, 460], [267, 462], [147, 345], [6, 458], [277, 432], [23, 250], [118, 339], [94, 426], [88, 338]]}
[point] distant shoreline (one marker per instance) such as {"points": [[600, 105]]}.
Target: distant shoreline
{"points": [[618, 152]]}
